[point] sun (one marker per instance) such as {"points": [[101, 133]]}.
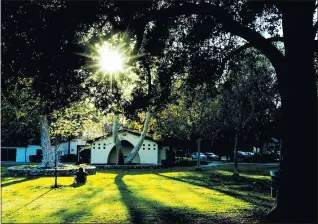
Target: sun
{"points": [[110, 60]]}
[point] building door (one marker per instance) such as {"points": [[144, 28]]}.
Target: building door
{"points": [[79, 148], [8, 154]]}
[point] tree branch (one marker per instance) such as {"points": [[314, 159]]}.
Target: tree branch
{"points": [[315, 27], [248, 45], [140, 36], [229, 24]]}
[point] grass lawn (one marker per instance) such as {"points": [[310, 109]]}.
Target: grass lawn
{"points": [[179, 195]]}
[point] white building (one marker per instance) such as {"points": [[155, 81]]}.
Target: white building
{"points": [[70, 147], [22, 153], [19, 154], [103, 150]]}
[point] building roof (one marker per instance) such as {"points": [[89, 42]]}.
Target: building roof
{"points": [[135, 132]]}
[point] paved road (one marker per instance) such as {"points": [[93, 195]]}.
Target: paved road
{"points": [[231, 163]]}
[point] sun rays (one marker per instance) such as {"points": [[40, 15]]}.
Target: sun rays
{"points": [[111, 59]]}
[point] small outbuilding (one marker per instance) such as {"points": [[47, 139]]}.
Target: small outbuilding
{"points": [[103, 149], [22, 153], [19, 153]]}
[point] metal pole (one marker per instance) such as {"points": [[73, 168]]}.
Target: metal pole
{"points": [[55, 173], [199, 151]]}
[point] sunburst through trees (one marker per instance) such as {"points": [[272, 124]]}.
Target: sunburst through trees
{"points": [[111, 57]]}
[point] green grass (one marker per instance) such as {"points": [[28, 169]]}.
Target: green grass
{"points": [[178, 195]]}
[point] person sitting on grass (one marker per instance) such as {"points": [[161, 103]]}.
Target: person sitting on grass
{"points": [[80, 176]]}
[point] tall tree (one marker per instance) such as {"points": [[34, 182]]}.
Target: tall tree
{"points": [[247, 91], [43, 49], [19, 113], [240, 19]]}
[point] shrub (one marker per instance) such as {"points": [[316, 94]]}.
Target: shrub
{"points": [[264, 158], [35, 158], [166, 163], [68, 158], [85, 156]]}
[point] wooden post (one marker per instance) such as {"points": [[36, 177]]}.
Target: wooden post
{"points": [[199, 151]]}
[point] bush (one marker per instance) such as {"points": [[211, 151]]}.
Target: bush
{"points": [[35, 158], [68, 158], [264, 158], [166, 163], [85, 155]]}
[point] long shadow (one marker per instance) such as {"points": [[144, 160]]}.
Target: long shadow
{"points": [[160, 213], [128, 199], [188, 180], [254, 199], [18, 181], [214, 179], [28, 203]]}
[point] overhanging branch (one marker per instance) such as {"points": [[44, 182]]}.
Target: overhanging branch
{"points": [[248, 45], [229, 24]]}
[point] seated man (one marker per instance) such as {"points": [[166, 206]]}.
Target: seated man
{"points": [[80, 176]]}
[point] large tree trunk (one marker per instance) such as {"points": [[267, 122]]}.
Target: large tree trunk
{"points": [[48, 158], [297, 190], [137, 147], [120, 158], [235, 172]]}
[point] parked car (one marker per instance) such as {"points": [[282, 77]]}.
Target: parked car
{"points": [[250, 153], [195, 156], [211, 155], [244, 156]]}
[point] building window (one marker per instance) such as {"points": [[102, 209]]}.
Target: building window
{"points": [[143, 148], [98, 147], [93, 147], [148, 148], [143, 144], [154, 148], [98, 143], [148, 144], [154, 144], [93, 143], [104, 147], [104, 143]]}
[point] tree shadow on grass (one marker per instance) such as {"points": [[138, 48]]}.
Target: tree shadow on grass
{"points": [[82, 209], [11, 213], [223, 184], [151, 211], [18, 181], [128, 199]]}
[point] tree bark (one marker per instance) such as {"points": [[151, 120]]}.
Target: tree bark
{"points": [[137, 147], [235, 172], [297, 190], [47, 149], [117, 142]]}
